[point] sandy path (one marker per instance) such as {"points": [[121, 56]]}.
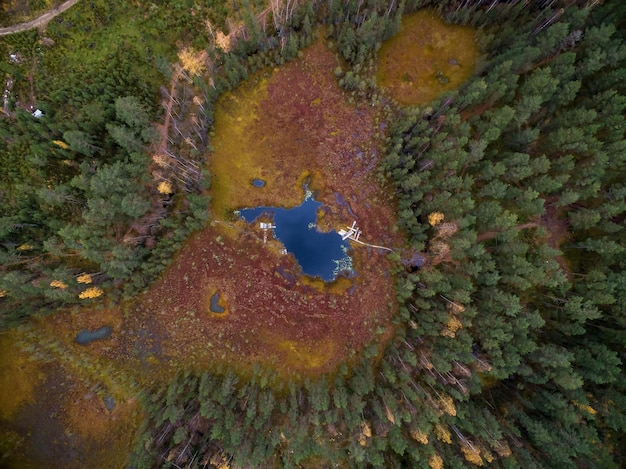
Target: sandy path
{"points": [[43, 19]]}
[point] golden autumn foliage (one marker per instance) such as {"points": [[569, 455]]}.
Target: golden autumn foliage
{"points": [[472, 454], [25, 247], [420, 436], [435, 218], [442, 433], [165, 187], [223, 41], [435, 462], [453, 325], [488, 455], [220, 461], [366, 430], [58, 284], [3, 293], [192, 62], [91, 292], [84, 278], [586, 408], [447, 404], [365, 433], [61, 143]]}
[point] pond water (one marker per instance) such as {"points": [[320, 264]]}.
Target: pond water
{"points": [[319, 254], [85, 337], [215, 303]]}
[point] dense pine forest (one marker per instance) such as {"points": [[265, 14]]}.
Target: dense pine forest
{"points": [[508, 345]]}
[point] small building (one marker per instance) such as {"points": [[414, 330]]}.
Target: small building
{"points": [[37, 113]]}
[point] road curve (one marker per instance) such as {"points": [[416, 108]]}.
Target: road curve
{"points": [[43, 19]]}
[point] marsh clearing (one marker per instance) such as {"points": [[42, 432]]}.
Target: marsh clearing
{"points": [[228, 298]]}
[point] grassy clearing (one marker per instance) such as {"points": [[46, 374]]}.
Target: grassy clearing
{"points": [[427, 58]]}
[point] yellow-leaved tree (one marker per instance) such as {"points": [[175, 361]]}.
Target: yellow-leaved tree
{"points": [[165, 187], [194, 63], [91, 292], [61, 143], [435, 218], [84, 278], [223, 41], [472, 454], [420, 436], [435, 462], [58, 284]]}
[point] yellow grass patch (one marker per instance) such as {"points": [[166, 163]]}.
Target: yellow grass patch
{"points": [[336, 287], [238, 159], [243, 151], [19, 376], [298, 355], [426, 58]]}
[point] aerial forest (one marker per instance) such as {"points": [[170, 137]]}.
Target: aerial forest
{"points": [[481, 320]]}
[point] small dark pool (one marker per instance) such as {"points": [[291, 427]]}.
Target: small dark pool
{"points": [[215, 303], [323, 255], [258, 183], [85, 336]]}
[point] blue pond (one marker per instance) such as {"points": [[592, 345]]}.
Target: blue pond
{"points": [[85, 337], [319, 254], [215, 303]]}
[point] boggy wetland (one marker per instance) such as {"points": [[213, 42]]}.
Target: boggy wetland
{"points": [[295, 234], [285, 126]]}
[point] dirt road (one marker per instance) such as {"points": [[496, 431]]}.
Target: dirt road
{"points": [[41, 20]]}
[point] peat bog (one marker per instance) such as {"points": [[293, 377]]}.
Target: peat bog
{"points": [[228, 298]]}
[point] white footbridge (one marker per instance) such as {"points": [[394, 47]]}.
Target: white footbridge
{"points": [[354, 233]]}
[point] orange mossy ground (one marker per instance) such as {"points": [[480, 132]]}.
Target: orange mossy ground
{"points": [[426, 58], [285, 126], [19, 375], [53, 414]]}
